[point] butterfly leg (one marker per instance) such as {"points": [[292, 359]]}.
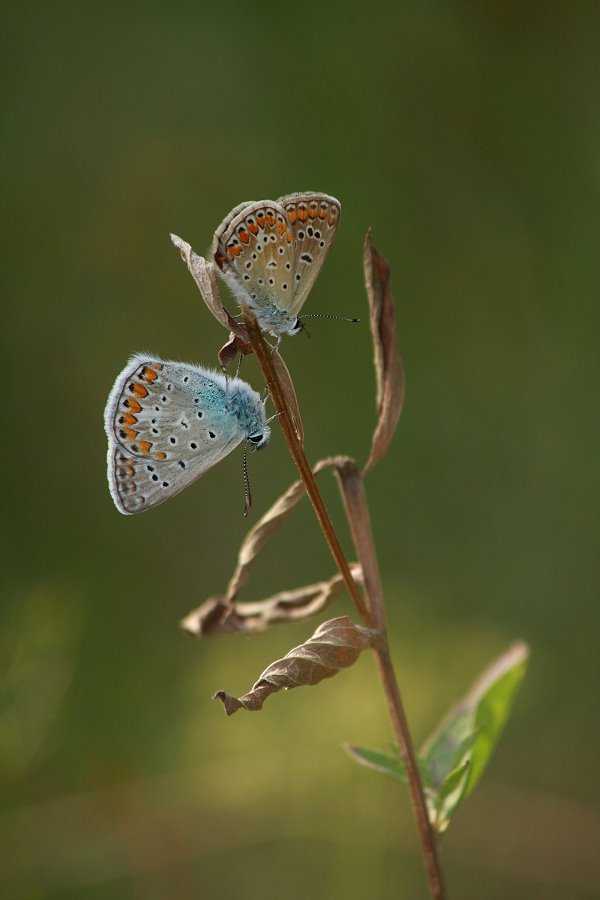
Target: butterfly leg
{"points": [[266, 394], [239, 365], [270, 419]]}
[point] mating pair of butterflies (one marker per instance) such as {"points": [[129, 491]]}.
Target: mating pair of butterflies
{"points": [[167, 422]]}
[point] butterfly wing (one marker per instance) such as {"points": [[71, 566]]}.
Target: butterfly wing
{"points": [[313, 219], [167, 423], [253, 248]]}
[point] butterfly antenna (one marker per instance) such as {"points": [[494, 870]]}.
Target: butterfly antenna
{"points": [[327, 316], [247, 491]]}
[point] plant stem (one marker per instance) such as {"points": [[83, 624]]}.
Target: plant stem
{"points": [[358, 516], [429, 847], [357, 512], [263, 352]]}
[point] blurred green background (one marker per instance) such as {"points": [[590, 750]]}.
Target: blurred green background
{"points": [[468, 136]]}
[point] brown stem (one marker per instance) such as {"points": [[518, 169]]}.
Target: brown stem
{"points": [[263, 353], [358, 517], [431, 857], [357, 512]]}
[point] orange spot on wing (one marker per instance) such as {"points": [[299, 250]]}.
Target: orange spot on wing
{"points": [[281, 226], [130, 434], [252, 227], [144, 446], [129, 419], [139, 390], [302, 214], [292, 216], [234, 250], [331, 220], [150, 375], [130, 471], [289, 237], [161, 455], [261, 220], [312, 212], [243, 236], [322, 213], [270, 219], [133, 405], [158, 366]]}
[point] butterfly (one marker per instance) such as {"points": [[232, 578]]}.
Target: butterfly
{"points": [[270, 252], [167, 423]]}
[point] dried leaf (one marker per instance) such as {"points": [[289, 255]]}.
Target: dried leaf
{"points": [[265, 528], [335, 645], [289, 393], [229, 351], [388, 362], [216, 616], [357, 512], [204, 274]]}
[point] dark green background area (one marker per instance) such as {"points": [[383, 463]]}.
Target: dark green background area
{"points": [[468, 137]]}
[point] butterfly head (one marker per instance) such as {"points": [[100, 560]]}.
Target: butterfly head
{"points": [[296, 327], [260, 437]]}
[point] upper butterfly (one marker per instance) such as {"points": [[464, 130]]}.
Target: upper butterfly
{"points": [[168, 422], [271, 251]]}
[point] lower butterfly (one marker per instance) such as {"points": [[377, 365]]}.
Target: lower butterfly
{"points": [[167, 423]]}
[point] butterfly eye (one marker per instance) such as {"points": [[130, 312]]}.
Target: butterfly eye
{"points": [[256, 438]]}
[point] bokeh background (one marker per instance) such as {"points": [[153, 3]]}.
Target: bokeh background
{"points": [[468, 137]]}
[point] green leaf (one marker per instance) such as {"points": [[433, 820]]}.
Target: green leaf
{"points": [[461, 747], [388, 764], [381, 762], [442, 806], [453, 758], [448, 747], [491, 698]]}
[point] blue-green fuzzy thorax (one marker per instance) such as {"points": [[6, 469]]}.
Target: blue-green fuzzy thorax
{"points": [[247, 408]]}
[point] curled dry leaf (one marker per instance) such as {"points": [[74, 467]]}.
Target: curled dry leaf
{"points": [[352, 488], [222, 615], [335, 645], [261, 533], [216, 616], [289, 393], [204, 274], [230, 350], [388, 362]]}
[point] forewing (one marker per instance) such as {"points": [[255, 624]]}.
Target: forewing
{"points": [[167, 423], [313, 219], [253, 248]]}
